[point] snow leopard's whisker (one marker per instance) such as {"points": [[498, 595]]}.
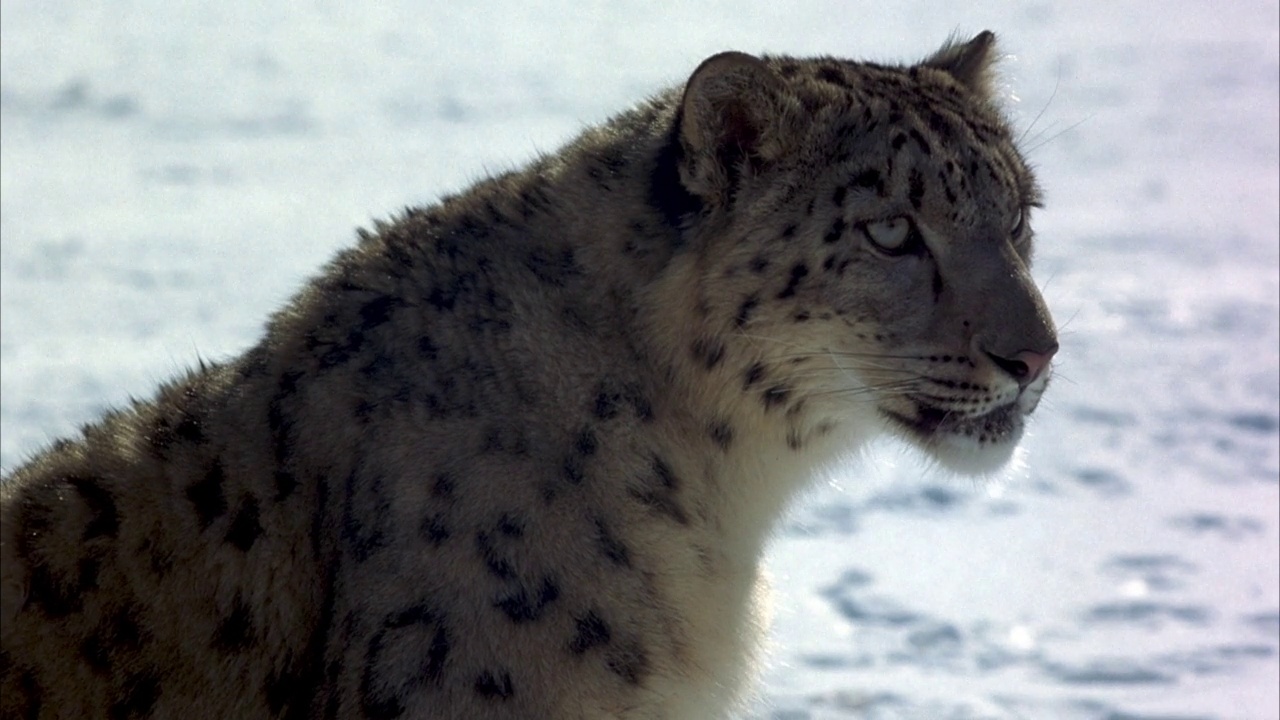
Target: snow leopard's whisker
{"points": [[868, 366], [1056, 84], [886, 389], [861, 364], [1060, 133]]}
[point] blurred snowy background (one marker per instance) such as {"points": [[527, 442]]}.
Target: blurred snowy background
{"points": [[171, 172]]}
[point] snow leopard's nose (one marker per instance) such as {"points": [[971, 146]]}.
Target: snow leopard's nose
{"points": [[1025, 365]]}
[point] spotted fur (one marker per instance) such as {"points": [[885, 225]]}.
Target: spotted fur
{"points": [[516, 454]]}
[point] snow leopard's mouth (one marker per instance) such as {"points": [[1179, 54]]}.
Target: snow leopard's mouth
{"points": [[929, 422], [960, 439]]}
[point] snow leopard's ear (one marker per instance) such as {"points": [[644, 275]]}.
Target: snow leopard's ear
{"points": [[971, 63], [729, 122]]}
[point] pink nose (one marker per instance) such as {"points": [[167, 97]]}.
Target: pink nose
{"points": [[1025, 365]]}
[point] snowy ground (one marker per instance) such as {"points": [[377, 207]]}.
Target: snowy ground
{"points": [[170, 172]]}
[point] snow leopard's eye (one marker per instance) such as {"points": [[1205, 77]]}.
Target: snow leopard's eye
{"points": [[1019, 224], [895, 236]]}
